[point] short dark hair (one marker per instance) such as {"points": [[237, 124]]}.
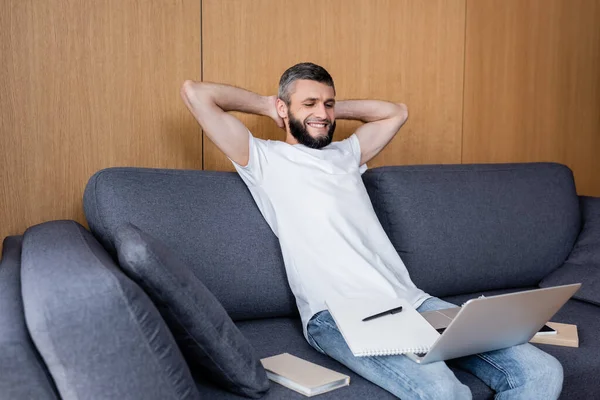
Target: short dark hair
{"points": [[305, 70]]}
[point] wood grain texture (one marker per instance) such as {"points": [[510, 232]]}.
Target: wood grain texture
{"points": [[398, 50], [532, 85], [88, 85]]}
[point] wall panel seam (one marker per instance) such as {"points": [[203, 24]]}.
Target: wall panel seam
{"points": [[202, 72], [462, 122]]}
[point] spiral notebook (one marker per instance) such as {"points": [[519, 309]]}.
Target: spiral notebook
{"points": [[403, 332]]}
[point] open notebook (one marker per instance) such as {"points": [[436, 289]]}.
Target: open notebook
{"points": [[404, 332]]}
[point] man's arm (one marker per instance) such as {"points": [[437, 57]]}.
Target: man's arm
{"points": [[382, 121], [209, 103]]}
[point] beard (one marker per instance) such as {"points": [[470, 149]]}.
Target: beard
{"points": [[299, 130]]}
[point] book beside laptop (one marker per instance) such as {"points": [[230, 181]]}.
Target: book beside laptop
{"points": [[565, 335]]}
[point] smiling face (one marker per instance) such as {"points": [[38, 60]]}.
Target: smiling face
{"points": [[310, 116]]}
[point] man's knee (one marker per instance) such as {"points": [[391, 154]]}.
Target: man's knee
{"points": [[549, 377], [543, 375], [448, 389]]}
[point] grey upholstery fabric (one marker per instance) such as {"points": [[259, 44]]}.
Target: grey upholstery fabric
{"points": [[97, 331], [581, 365], [465, 228], [23, 374], [208, 338], [198, 212], [459, 229], [583, 264], [278, 335]]}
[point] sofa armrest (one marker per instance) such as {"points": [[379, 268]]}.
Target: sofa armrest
{"points": [[23, 374], [583, 263], [97, 331]]}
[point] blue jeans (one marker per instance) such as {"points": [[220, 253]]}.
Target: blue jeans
{"points": [[519, 372]]}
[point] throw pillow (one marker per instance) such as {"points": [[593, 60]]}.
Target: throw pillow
{"points": [[204, 331], [583, 264]]}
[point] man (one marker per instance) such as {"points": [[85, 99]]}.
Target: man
{"points": [[310, 191]]}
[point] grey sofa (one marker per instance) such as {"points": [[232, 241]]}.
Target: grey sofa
{"points": [[462, 231]]}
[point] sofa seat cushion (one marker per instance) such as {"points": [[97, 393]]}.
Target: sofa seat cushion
{"points": [[23, 374], [583, 264], [581, 365], [98, 332], [208, 338], [279, 335]]}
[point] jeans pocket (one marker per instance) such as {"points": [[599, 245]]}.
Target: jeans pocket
{"points": [[313, 324], [314, 344]]}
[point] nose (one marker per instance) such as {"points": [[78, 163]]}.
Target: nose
{"points": [[321, 112]]}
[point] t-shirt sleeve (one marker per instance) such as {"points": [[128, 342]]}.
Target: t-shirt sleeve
{"points": [[353, 145], [252, 174]]}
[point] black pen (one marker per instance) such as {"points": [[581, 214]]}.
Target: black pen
{"points": [[381, 314]]}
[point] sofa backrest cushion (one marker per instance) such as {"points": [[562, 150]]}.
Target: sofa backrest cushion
{"points": [[583, 264], [23, 374], [209, 220], [467, 228]]}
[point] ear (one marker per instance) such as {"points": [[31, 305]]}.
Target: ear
{"points": [[282, 109]]}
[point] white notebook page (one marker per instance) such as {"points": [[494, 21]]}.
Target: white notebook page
{"points": [[403, 332]]}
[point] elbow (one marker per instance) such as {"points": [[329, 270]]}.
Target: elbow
{"points": [[186, 88], [191, 90], [398, 116], [401, 112]]}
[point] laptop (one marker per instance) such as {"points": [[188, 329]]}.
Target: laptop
{"points": [[491, 323]]}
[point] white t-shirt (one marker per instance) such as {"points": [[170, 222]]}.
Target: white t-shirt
{"points": [[332, 243]]}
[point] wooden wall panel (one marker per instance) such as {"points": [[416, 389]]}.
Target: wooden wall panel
{"points": [[397, 50], [87, 85], [532, 84]]}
